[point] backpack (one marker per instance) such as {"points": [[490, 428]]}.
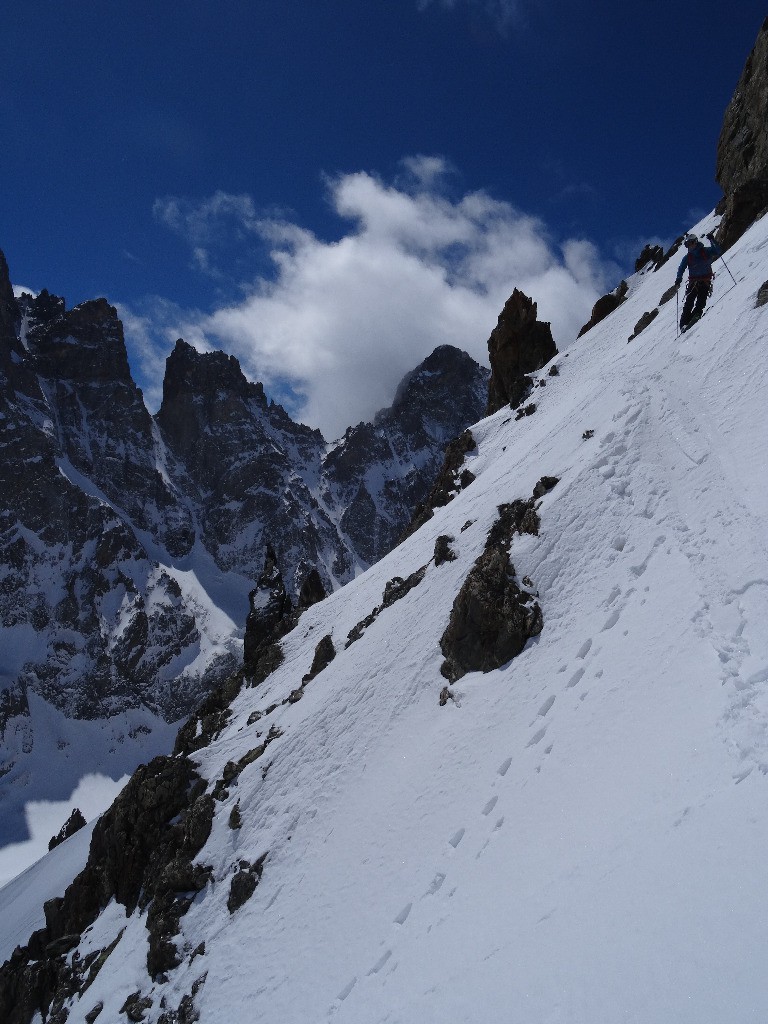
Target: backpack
{"points": [[699, 262]]}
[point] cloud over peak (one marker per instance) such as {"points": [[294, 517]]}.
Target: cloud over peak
{"points": [[338, 323]]}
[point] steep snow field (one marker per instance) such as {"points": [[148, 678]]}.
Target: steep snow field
{"points": [[581, 836], [71, 762]]}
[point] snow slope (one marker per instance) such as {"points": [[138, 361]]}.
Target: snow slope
{"points": [[21, 904], [580, 836]]}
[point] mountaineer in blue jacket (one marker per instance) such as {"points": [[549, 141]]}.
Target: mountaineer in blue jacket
{"points": [[698, 259]]}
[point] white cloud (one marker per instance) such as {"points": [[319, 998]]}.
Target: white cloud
{"points": [[200, 223], [340, 322], [503, 11]]}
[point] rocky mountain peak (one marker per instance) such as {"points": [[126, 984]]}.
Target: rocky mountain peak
{"points": [[518, 345], [433, 405], [9, 310], [440, 390], [201, 373], [742, 150], [42, 308], [205, 392], [84, 344]]}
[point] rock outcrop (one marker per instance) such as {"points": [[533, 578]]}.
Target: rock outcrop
{"points": [[493, 616], [142, 856], [605, 306], [453, 477], [518, 345], [73, 824], [742, 150], [651, 256], [270, 615], [9, 311]]}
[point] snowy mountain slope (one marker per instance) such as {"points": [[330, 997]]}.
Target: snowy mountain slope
{"points": [[20, 905], [576, 837]]}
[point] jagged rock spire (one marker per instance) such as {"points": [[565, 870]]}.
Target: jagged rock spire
{"points": [[9, 310], [518, 345]]}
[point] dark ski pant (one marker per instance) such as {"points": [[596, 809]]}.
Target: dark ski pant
{"points": [[696, 295]]}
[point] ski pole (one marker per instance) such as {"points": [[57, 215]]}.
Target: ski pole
{"points": [[728, 269], [677, 311], [710, 236]]}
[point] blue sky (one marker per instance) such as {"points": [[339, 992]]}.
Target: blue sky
{"points": [[230, 169]]}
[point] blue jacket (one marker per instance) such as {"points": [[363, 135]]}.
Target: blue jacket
{"points": [[699, 262]]}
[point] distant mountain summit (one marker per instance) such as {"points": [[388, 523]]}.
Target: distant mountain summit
{"points": [[381, 471]]}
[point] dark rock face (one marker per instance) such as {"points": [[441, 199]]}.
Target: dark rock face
{"points": [[103, 427], [443, 550], [762, 294], [250, 471], [379, 472], [325, 652], [270, 606], [9, 310], [73, 824], [643, 322], [493, 617], [79, 479], [452, 478], [742, 150], [244, 883], [141, 855], [312, 591], [272, 615], [605, 306], [491, 621], [256, 475], [518, 345], [652, 255]]}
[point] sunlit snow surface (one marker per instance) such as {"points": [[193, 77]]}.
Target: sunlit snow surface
{"points": [[581, 837]]}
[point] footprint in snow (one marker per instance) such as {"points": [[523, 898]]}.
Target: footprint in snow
{"points": [[436, 884], [490, 805], [584, 650], [402, 917], [457, 837], [537, 737], [346, 990], [380, 963], [575, 678], [612, 619], [546, 706]]}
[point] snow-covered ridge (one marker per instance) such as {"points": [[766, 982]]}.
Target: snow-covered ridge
{"points": [[576, 837]]}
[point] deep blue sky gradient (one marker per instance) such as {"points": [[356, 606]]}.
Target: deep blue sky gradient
{"points": [[600, 118]]}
